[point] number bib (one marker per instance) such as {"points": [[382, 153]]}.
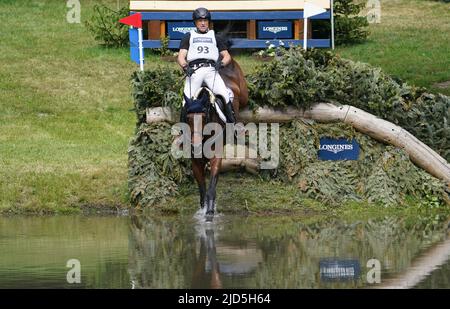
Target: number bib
{"points": [[202, 46]]}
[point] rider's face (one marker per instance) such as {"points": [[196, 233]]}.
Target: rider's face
{"points": [[202, 25]]}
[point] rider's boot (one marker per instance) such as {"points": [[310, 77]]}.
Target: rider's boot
{"points": [[229, 113], [183, 115], [231, 118]]}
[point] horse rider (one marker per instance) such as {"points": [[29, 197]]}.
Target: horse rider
{"points": [[199, 58]]}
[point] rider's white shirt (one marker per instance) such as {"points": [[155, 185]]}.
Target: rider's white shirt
{"points": [[202, 46]]}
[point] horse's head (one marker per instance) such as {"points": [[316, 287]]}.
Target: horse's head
{"points": [[200, 111]]}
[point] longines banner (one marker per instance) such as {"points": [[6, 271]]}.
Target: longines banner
{"points": [[338, 149], [275, 29], [178, 29]]}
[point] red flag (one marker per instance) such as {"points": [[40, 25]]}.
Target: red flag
{"points": [[134, 20]]}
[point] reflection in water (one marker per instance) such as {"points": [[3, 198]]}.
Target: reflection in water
{"points": [[207, 254], [439, 278], [167, 253], [339, 270], [236, 252], [213, 262], [233, 252], [421, 267]]}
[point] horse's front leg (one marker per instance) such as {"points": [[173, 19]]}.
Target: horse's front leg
{"points": [[198, 169], [211, 194], [236, 109]]}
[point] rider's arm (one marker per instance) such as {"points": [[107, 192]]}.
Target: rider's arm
{"points": [[182, 53], [182, 58], [226, 57]]}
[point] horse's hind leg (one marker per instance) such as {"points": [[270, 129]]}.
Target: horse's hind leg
{"points": [[198, 169], [211, 194]]}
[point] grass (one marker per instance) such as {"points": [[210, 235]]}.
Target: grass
{"points": [[243, 194], [410, 42], [65, 118], [254, 196]]}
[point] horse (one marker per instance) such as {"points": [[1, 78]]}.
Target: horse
{"points": [[234, 79], [207, 254]]}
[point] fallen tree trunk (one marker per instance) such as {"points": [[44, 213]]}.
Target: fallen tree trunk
{"points": [[421, 267], [239, 160], [379, 129], [250, 165], [322, 112], [160, 114]]}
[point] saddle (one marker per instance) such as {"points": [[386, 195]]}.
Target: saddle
{"points": [[203, 97]]}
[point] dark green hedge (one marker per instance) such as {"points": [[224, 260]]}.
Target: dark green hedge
{"points": [[302, 78]]}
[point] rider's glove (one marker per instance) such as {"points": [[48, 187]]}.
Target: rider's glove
{"points": [[218, 65], [188, 71]]}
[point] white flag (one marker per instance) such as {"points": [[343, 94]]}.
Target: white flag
{"points": [[312, 9]]}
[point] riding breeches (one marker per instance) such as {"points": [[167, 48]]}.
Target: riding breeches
{"points": [[212, 79]]}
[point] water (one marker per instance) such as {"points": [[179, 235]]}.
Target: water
{"points": [[233, 252]]}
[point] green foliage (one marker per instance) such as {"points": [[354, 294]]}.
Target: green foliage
{"points": [[164, 49], [105, 27], [360, 85], [156, 87], [297, 148], [153, 173], [349, 27], [428, 120], [383, 174], [329, 182], [300, 79], [288, 80]]}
